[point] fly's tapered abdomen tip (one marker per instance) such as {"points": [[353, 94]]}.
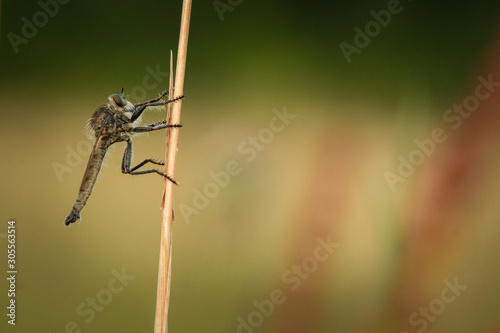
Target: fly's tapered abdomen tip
{"points": [[71, 218]]}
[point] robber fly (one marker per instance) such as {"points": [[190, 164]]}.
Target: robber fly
{"points": [[111, 123]]}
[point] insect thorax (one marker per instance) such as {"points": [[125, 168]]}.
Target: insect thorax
{"points": [[107, 121]]}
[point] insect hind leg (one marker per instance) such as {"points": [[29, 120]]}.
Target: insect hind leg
{"points": [[148, 160], [127, 160], [143, 172]]}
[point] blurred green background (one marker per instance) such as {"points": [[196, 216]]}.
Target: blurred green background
{"points": [[321, 176]]}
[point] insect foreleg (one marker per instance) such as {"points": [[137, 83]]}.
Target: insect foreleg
{"points": [[153, 100], [140, 107], [166, 102]]}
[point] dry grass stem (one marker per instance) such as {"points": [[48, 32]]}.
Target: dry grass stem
{"points": [[172, 136]]}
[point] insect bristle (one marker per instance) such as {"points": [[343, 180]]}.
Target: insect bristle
{"points": [[89, 131]]}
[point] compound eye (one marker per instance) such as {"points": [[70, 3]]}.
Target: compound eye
{"points": [[118, 100]]}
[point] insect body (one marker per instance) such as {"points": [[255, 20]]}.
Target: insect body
{"points": [[113, 123]]}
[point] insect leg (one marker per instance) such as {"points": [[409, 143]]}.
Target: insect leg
{"points": [[140, 107], [153, 100], [127, 160], [166, 102], [154, 127]]}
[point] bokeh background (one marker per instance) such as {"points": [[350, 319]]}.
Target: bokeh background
{"points": [[323, 176]]}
